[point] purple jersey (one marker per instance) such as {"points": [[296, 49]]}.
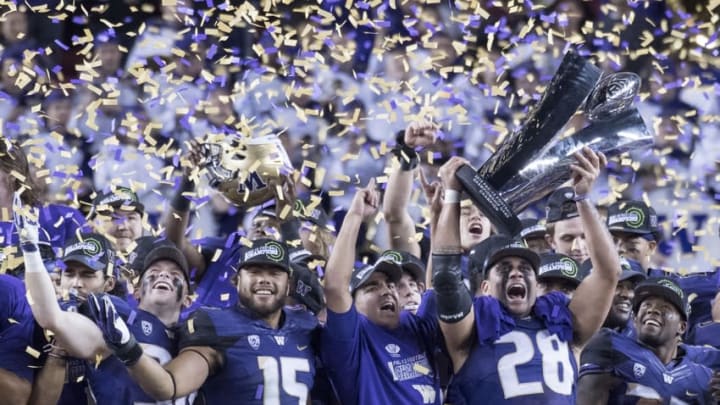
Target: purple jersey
{"points": [[216, 288], [705, 334], [701, 289], [17, 328], [642, 374], [261, 365], [369, 364], [110, 382], [520, 361]]}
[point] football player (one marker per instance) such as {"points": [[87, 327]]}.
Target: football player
{"points": [[510, 346], [652, 367]]}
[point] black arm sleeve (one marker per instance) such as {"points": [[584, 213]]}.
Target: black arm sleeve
{"points": [[454, 301]]}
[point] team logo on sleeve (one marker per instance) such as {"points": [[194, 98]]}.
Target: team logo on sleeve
{"points": [[254, 341], [146, 327], [638, 370]]}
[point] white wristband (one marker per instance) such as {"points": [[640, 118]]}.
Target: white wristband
{"points": [[451, 197]]}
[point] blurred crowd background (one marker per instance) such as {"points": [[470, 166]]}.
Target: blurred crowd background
{"points": [[103, 93]]}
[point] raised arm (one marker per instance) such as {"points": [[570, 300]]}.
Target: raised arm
{"points": [[74, 332], [178, 219], [591, 302], [434, 196], [454, 301], [400, 184], [342, 259], [181, 376]]}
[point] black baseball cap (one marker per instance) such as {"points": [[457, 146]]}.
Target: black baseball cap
{"points": [[389, 267], [532, 228], [92, 250], [313, 213], [163, 249], [561, 205], [631, 270], [633, 216], [118, 198], [409, 262], [267, 252], [308, 290], [665, 288], [488, 252], [559, 266]]}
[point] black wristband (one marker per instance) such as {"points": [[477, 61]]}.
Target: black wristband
{"points": [[180, 202], [407, 156], [130, 354]]}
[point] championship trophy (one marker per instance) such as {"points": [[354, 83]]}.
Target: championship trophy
{"points": [[242, 169], [533, 161]]}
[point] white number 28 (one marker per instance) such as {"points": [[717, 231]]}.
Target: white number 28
{"points": [[288, 367], [557, 371]]}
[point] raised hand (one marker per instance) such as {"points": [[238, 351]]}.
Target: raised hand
{"points": [[586, 170], [433, 194], [447, 173], [26, 223], [421, 134], [117, 336], [366, 200], [192, 159]]}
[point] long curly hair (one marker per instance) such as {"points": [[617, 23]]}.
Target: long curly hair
{"points": [[14, 162]]}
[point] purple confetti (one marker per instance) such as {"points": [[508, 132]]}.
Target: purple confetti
{"points": [[61, 45]]}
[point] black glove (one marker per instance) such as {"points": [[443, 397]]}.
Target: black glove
{"points": [[117, 336]]}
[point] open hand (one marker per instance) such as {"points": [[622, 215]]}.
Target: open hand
{"points": [[586, 170]]}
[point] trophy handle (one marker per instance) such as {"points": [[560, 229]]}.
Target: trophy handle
{"points": [[489, 201]]}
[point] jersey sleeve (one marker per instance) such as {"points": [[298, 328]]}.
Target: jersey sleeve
{"points": [[599, 356], [340, 340], [428, 319], [17, 328], [200, 330]]}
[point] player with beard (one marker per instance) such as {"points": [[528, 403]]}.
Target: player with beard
{"points": [[256, 352], [509, 338], [651, 368], [374, 352], [163, 293]]}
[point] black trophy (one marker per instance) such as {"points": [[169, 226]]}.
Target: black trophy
{"points": [[532, 162]]}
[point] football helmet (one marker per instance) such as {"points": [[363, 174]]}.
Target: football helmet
{"points": [[242, 168]]}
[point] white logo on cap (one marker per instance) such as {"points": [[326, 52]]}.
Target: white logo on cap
{"points": [[89, 247], [272, 250], [361, 274]]}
